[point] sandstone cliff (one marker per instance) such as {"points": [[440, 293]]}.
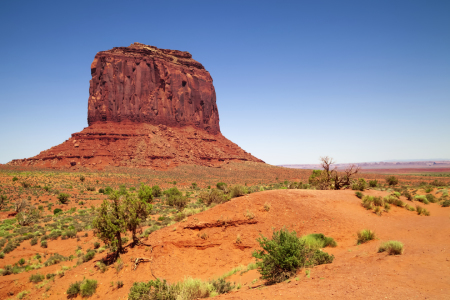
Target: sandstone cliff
{"points": [[145, 84], [147, 107]]}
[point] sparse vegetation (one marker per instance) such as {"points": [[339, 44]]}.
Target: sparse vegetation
{"points": [[364, 236], [391, 247]]}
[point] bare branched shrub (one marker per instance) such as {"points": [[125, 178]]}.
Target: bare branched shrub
{"points": [[28, 216], [20, 205], [329, 178]]}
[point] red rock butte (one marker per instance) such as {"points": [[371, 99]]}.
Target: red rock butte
{"points": [[147, 107]]}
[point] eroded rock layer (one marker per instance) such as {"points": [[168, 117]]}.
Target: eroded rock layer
{"points": [[130, 144], [144, 84]]}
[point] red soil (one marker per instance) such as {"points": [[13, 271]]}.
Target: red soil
{"points": [[357, 271]]}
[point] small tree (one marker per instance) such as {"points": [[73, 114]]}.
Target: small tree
{"points": [[110, 222], [20, 205], [137, 210]]}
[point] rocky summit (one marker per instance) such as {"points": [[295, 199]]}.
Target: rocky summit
{"points": [[148, 107]]}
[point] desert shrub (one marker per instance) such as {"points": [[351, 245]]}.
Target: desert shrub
{"points": [[431, 198], [359, 195], [119, 284], [213, 196], [12, 244], [2, 255], [63, 198], [102, 266], [33, 241], [359, 185], [108, 190], [157, 191], [89, 255], [187, 289], [446, 203], [82, 178], [429, 189], [221, 186], [96, 245], [399, 203], [422, 211], [318, 240], [392, 248], [21, 261], [364, 236], [437, 183], [15, 178], [73, 290], [407, 195], [50, 275], [367, 202], [88, 287], [221, 286], [284, 254], [237, 191], [180, 202], [25, 184], [35, 278], [373, 183], [56, 258], [101, 191], [392, 180], [421, 198]]}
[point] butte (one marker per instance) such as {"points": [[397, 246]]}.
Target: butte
{"points": [[148, 107]]}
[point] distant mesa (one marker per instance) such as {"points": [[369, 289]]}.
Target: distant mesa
{"points": [[147, 107]]}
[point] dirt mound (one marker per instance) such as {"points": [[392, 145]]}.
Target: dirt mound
{"points": [[148, 107]]}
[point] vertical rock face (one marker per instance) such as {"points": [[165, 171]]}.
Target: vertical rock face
{"points": [[148, 107], [144, 84]]}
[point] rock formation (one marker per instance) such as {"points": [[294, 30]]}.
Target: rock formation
{"points": [[147, 107]]}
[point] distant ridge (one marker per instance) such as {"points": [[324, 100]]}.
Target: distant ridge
{"points": [[410, 164]]}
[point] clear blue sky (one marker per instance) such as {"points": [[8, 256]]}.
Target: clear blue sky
{"points": [[355, 80]]}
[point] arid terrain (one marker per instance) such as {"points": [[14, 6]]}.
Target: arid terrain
{"points": [[210, 241]]}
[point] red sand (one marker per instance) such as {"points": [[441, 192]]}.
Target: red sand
{"points": [[357, 271]]}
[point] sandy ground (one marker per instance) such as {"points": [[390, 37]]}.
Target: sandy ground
{"points": [[178, 251]]}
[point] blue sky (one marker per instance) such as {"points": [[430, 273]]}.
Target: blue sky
{"points": [[355, 80]]}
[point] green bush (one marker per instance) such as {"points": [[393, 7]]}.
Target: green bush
{"points": [[82, 178], [373, 183], [421, 198], [89, 255], [90, 188], [57, 210], [407, 195], [101, 191], [88, 287], [21, 261], [221, 186], [44, 243], [422, 211], [63, 198], [50, 275], [446, 203], [359, 185], [157, 191], [318, 240], [237, 191], [364, 236], [73, 290], [15, 178], [96, 245], [213, 196], [284, 254], [35, 278], [392, 180], [392, 248], [359, 195], [431, 198]]}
